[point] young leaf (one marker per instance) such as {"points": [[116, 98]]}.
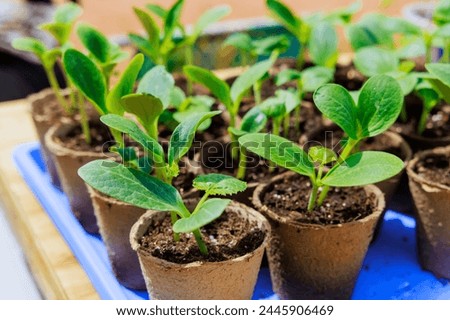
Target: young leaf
{"points": [[130, 128], [60, 31], [442, 72], [273, 107], [322, 155], [285, 16], [159, 83], [67, 13], [265, 46], [379, 105], [290, 99], [147, 109], [144, 46], [316, 76], [94, 41], [132, 186], [280, 151], [323, 45], [335, 103], [150, 27], [125, 85], [249, 78], [171, 21], [428, 95], [364, 168], [371, 61], [30, 45], [239, 40], [157, 10], [219, 184], [218, 87], [85, 75], [183, 135], [253, 121], [209, 17], [287, 75], [208, 212]]}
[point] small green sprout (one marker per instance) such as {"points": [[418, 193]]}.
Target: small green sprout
{"points": [[378, 107]]}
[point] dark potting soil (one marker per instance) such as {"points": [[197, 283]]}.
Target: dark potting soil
{"points": [[438, 124], [348, 77], [435, 168], [101, 138], [226, 238], [289, 198]]}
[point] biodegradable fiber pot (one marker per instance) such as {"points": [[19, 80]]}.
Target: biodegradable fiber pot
{"points": [[432, 202], [115, 219], [309, 261], [231, 279], [68, 161]]}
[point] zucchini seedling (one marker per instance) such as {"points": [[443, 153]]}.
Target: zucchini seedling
{"points": [[60, 28], [139, 188], [377, 109]]}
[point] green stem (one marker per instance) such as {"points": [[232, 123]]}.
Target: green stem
{"points": [[84, 120], [200, 242], [423, 121], [403, 113], [242, 164], [189, 57], [56, 88], [300, 56], [200, 203], [174, 218], [313, 197], [257, 91], [244, 58], [344, 155], [234, 149], [286, 124]]}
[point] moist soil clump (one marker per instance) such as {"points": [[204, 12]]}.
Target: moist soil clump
{"points": [[435, 168], [289, 198], [228, 237]]}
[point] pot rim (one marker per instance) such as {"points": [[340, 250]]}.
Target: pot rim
{"points": [[141, 226], [60, 149], [379, 206], [419, 156]]}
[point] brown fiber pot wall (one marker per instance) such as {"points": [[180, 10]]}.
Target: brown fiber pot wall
{"points": [[68, 162], [115, 219], [316, 262], [432, 203], [232, 279], [419, 143]]}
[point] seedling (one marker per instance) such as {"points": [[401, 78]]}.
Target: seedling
{"points": [[315, 33], [134, 186], [377, 109], [307, 81], [250, 49], [230, 97], [60, 28], [90, 81]]}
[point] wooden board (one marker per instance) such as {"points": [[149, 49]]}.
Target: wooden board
{"points": [[57, 272]]}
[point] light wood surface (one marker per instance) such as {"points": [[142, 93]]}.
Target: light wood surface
{"points": [[57, 272]]}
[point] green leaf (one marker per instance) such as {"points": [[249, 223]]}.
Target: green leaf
{"points": [[247, 79], [322, 155], [94, 41], [219, 184], [30, 45], [267, 45], [50, 57], [291, 99], [147, 109], [132, 186], [443, 32], [159, 83], [441, 71], [128, 154], [280, 151], [208, 212], [157, 10], [371, 61], [239, 40], [192, 110], [85, 75], [183, 135], [364, 168], [67, 13], [150, 27], [345, 15], [60, 31], [125, 85], [441, 14], [130, 128], [285, 16], [379, 105], [218, 87], [407, 81], [428, 95], [171, 21], [177, 97], [335, 102], [323, 45], [273, 107], [144, 46], [287, 75], [209, 17], [253, 121], [314, 77]]}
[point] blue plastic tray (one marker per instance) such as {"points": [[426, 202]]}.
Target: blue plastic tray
{"points": [[390, 270]]}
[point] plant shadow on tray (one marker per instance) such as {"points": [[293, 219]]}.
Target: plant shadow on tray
{"points": [[390, 270]]}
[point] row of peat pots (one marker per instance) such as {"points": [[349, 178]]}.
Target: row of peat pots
{"points": [[311, 256]]}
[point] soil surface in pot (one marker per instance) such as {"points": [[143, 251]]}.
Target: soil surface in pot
{"points": [[437, 126], [228, 237], [436, 168], [289, 198]]}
